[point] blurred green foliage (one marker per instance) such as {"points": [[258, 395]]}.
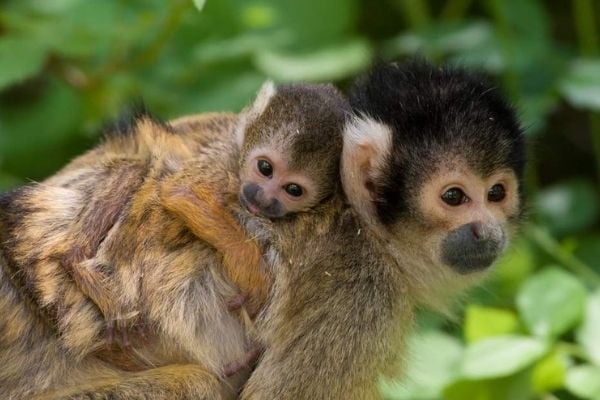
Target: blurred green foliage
{"points": [[533, 331]]}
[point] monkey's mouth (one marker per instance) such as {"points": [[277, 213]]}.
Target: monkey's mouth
{"points": [[469, 263], [252, 209]]}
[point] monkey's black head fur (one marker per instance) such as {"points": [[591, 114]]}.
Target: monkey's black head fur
{"points": [[436, 114]]}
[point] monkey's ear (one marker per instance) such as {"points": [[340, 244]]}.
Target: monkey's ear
{"points": [[365, 155], [264, 96]]}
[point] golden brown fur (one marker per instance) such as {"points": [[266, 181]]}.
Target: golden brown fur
{"points": [[150, 263], [129, 246]]}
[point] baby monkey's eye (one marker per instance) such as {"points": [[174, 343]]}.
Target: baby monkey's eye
{"points": [[265, 168], [293, 190], [496, 193], [454, 197]]}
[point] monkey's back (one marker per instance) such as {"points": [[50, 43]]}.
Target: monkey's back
{"points": [[175, 280], [155, 264]]}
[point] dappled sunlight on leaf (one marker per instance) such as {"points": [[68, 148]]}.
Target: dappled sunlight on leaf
{"points": [[568, 207], [551, 302], [501, 356], [582, 86], [435, 357]]}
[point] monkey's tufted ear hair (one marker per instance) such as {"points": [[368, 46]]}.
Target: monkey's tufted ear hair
{"points": [[264, 96], [365, 156]]}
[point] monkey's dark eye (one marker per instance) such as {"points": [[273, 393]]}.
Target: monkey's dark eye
{"points": [[265, 168], [496, 193], [293, 190], [454, 197]]}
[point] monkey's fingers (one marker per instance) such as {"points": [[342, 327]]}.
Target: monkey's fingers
{"points": [[249, 360], [236, 302], [125, 339], [232, 369], [252, 308], [110, 334], [241, 300], [143, 332], [122, 333]]}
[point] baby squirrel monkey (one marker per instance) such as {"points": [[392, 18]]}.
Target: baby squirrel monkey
{"points": [[289, 147], [288, 162]]}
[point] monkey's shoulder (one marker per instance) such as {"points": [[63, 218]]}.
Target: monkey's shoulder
{"points": [[339, 242]]}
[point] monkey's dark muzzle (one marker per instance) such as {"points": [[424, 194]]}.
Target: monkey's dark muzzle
{"points": [[467, 250], [251, 197]]}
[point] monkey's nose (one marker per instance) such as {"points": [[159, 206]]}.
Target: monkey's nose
{"points": [[478, 230], [260, 198], [250, 191]]}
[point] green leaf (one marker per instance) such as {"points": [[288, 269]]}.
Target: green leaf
{"points": [[581, 87], [8, 181], [584, 381], [524, 39], [433, 364], [588, 334], [237, 47], [482, 322], [568, 207], [514, 267], [331, 63], [311, 23], [259, 16], [232, 94], [513, 387], [549, 373], [463, 38], [501, 356], [22, 58], [37, 140], [534, 109], [51, 7], [199, 4], [472, 390], [528, 20], [587, 249], [551, 302]]}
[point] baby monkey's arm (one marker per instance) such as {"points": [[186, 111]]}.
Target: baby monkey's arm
{"points": [[207, 217]]}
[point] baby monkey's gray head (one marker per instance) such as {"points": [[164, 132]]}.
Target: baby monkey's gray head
{"points": [[434, 160], [290, 145]]}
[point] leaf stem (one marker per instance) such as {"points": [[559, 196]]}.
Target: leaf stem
{"points": [[573, 350], [544, 240], [585, 25], [416, 11], [587, 36], [166, 31], [594, 120], [507, 40], [455, 9]]}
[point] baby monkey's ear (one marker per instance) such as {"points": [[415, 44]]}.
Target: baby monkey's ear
{"points": [[264, 96], [366, 156]]}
